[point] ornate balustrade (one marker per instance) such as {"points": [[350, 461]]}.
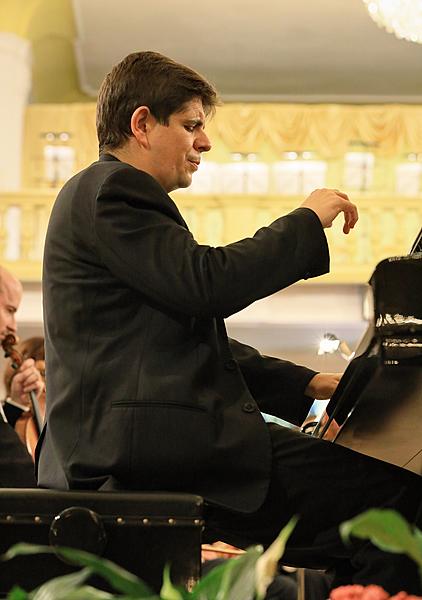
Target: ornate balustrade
{"points": [[387, 227], [23, 223]]}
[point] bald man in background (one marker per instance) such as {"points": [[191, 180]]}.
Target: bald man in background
{"points": [[16, 466]]}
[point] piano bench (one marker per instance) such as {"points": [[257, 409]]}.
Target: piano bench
{"points": [[140, 531]]}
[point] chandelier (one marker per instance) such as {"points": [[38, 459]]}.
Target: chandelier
{"points": [[401, 17]]}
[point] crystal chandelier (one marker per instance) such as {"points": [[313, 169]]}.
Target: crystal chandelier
{"points": [[401, 17]]}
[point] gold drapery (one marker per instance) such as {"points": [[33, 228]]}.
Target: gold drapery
{"points": [[329, 129], [389, 130]]}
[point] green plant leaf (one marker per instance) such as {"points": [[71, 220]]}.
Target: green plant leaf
{"points": [[233, 580], [239, 582], [119, 578], [86, 592], [267, 564], [22, 549], [418, 536], [17, 593], [168, 590], [59, 587], [209, 585], [240, 578], [387, 530]]}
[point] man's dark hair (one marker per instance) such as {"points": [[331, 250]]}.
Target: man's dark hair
{"points": [[146, 79]]}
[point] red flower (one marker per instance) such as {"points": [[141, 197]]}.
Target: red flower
{"points": [[369, 592]]}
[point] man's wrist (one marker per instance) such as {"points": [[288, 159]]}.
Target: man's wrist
{"points": [[310, 389]]}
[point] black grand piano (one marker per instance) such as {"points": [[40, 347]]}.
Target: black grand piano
{"points": [[378, 402]]}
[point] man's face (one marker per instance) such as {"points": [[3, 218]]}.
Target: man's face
{"points": [[175, 149], [10, 297]]}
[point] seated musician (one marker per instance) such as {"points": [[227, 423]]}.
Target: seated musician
{"points": [[16, 465], [145, 389]]}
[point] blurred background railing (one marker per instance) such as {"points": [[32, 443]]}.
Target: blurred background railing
{"points": [[386, 228]]}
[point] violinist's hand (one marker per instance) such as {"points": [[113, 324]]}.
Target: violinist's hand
{"points": [[328, 204], [323, 385], [27, 379]]}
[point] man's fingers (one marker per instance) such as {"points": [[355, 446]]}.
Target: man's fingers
{"points": [[347, 222], [328, 204], [350, 214], [342, 194], [32, 383], [28, 378]]}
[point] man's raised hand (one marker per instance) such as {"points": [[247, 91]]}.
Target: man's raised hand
{"points": [[328, 204]]}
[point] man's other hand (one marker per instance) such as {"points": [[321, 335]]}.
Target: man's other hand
{"points": [[323, 385]]}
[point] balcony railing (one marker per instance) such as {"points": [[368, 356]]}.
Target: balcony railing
{"points": [[386, 227]]}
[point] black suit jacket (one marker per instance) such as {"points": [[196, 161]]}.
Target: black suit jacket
{"points": [[16, 466], [144, 389]]}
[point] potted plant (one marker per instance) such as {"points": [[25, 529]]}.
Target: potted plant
{"points": [[245, 578]]}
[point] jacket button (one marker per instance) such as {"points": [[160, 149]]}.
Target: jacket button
{"points": [[248, 407], [230, 365]]}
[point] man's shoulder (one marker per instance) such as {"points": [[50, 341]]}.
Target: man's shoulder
{"points": [[113, 181], [88, 183], [99, 171], [112, 173]]}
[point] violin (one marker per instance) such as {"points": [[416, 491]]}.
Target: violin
{"points": [[29, 424]]}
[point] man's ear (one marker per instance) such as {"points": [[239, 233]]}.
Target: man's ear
{"points": [[139, 124]]}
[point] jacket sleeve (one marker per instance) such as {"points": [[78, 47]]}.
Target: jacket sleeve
{"points": [[142, 243], [278, 386]]}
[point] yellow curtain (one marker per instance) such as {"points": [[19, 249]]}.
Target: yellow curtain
{"points": [[329, 130]]}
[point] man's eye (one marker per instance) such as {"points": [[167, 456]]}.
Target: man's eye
{"points": [[190, 128]]}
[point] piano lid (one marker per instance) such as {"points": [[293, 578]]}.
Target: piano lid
{"points": [[417, 244], [397, 292], [377, 403]]}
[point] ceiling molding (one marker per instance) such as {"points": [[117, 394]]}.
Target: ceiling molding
{"points": [[290, 51], [323, 98]]}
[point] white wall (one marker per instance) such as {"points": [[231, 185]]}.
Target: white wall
{"points": [[15, 69]]}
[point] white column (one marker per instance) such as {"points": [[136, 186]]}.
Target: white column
{"points": [[15, 82]]}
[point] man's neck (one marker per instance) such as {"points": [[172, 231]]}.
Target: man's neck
{"points": [[125, 154]]}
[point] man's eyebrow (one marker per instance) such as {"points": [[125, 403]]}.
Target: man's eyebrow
{"points": [[195, 121]]}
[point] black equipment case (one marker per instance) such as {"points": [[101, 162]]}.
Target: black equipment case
{"points": [[140, 531]]}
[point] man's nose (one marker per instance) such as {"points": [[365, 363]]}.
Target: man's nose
{"points": [[202, 143], [11, 325]]}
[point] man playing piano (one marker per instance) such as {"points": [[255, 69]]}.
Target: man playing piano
{"points": [[145, 389]]}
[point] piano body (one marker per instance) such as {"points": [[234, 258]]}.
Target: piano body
{"points": [[378, 402]]}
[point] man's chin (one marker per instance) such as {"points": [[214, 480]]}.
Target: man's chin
{"points": [[184, 184]]}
